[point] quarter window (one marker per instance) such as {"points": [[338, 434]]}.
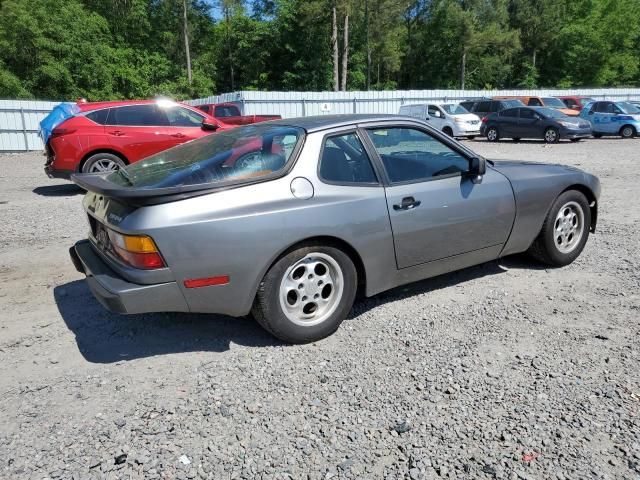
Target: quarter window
{"points": [[409, 154], [534, 102], [99, 116], [483, 107], [138, 115], [344, 160]]}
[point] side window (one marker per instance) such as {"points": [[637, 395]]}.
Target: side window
{"points": [[495, 107], [483, 107], [570, 102], [204, 108], [222, 111], [432, 109], [137, 115], [467, 105], [344, 160], [99, 116], [534, 102], [509, 112], [409, 154], [527, 113], [594, 107], [616, 109], [604, 107], [183, 117]]}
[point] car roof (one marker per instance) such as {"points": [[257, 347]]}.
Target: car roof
{"points": [[324, 122], [88, 106]]}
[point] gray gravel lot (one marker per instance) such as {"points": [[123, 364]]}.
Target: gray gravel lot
{"points": [[506, 370]]}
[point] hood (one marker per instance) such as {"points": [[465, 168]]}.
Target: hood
{"points": [[518, 169]]}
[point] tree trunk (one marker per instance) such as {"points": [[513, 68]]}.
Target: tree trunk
{"points": [[368, 45], [185, 28], [463, 67], [334, 46], [533, 60], [345, 53], [227, 19]]}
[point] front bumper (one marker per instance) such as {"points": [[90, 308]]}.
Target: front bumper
{"points": [[119, 295], [466, 130], [575, 133]]}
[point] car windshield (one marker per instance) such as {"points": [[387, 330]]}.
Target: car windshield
{"points": [[552, 113], [553, 102], [628, 107], [228, 157], [512, 103], [454, 109]]}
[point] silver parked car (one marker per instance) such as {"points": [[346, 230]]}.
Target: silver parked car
{"points": [[289, 219]]}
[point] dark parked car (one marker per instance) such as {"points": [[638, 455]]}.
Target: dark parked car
{"points": [[486, 106], [534, 122]]}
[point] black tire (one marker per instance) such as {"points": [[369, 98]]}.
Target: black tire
{"points": [[267, 308], [544, 247], [448, 131], [516, 139], [551, 135], [471, 137], [493, 135], [627, 131], [575, 140], [94, 163], [596, 135]]}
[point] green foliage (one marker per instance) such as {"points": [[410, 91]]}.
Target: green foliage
{"points": [[107, 49]]}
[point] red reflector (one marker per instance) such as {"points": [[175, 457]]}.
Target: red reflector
{"points": [[206, 282]]}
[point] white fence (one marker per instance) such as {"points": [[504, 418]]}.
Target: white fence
{"points": [[19, 119]]}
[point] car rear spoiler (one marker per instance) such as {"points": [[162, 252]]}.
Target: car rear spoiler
{"points": [[140, 196]]}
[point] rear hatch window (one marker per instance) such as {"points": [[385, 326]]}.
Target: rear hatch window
{"points": [[233, 156]]}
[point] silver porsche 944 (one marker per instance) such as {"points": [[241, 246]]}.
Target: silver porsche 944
{"points": [[289, 219]]}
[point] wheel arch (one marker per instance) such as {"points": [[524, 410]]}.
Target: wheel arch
{"points": [[635, 130], [101, 150], [591, 198], [329, 241]]}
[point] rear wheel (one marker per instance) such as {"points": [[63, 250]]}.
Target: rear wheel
{"points": [[492, 134], [551, 135], [565, 230], [628, 131], [306, 294], [102, 163]]}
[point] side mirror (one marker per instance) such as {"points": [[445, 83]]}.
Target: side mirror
{"points": [[207, 125], [477, 167]]}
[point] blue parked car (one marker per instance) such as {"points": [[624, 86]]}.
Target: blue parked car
{"points": [[612, 118]]}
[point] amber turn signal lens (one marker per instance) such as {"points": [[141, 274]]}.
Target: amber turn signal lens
{"points": [[139, 251]]}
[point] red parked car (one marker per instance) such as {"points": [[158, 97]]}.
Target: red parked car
{"points": [[103, 136], [229, 113], [575, 102]]}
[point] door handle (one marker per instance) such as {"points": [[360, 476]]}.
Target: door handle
{"points": [[178, 135], [408, 203], [117, 133]]}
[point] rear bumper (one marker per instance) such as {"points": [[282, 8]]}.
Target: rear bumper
{"points": [[53, 173], [119, 295]]}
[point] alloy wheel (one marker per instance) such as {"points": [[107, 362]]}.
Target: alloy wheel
{"points": [[104, 165], [311, 289], [568, 227]]}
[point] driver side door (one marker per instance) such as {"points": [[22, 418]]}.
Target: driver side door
{"points": [[436, 209]]}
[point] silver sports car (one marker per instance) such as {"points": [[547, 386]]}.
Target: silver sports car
{"points": [[290, 219]]}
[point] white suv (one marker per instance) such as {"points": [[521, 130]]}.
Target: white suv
{"points": [[451, 118]]}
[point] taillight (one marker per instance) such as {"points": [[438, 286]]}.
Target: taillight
{"points": [[59, 132], [139, 251], [485, 119]]}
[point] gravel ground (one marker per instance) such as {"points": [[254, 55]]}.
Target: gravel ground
{"points": [[506, 370]]}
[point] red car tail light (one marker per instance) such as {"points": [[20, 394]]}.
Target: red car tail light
{"points": [[59, 132], [139, 251], [485, 119]]}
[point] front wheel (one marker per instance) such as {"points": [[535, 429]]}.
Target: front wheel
{"points": [[627, 131], [306, 294], [565, 230], [551, 135], [492, 134]]}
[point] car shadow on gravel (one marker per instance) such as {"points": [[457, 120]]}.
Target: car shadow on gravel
{"points": [[66, 190], [105, 337]]}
